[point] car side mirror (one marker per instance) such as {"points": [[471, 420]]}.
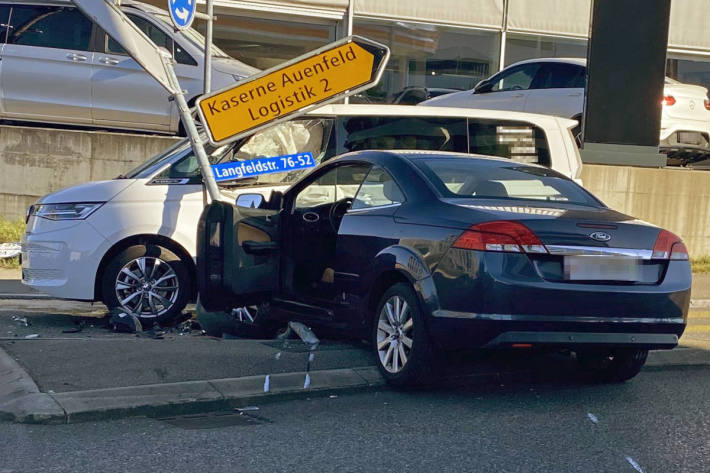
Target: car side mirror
{"points": [[482, 87], [250, 201]]}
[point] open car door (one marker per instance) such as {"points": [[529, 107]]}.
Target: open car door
{"points": [[237, 255]]}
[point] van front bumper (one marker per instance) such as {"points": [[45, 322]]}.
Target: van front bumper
{"points": [[60, 258]]}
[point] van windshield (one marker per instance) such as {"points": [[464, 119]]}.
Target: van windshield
{"points": [[164, 155]]}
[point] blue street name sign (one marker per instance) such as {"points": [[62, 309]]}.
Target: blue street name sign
{"points": [[182, 12], [255, 167]]}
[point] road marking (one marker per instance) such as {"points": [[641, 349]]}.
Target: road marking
{"points": [[697, 328]]}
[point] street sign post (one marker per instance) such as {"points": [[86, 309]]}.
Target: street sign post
{"points": [[182, 12], [322, 76], [157, 62]]}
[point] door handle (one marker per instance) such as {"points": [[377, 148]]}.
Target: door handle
{"points": [[517, 96], [108, 60], [77, 57], [311, 217]]}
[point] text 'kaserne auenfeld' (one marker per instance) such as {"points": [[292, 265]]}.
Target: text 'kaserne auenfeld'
{"points": [[304, 94]]}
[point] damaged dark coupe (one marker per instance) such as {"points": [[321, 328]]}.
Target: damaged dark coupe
{"points": [[423, 252]]}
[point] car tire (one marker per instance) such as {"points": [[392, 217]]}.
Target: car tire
{"points": [[156, 296], [612, 367], [402, 346]]}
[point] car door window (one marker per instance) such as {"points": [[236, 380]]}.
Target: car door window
{"points": [[4, 22], [517, 78], [558, 75], [378, 190], [50, 27], [317, 193], [158, 36], [337, 184], [398, 132], [516, 140]]}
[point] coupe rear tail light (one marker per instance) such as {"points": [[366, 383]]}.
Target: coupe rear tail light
{"points": [[669, 246], [707, 104], [669, 100], [502, 236]]}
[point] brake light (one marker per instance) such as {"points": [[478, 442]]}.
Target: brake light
{"points": [[502, 236], [669, 246], [707, 104], [669, 100]]}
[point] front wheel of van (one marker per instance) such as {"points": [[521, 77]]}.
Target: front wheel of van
{"points": [[149, 281]]}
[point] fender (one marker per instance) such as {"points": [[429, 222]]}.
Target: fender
{"points": [[408, 263]]}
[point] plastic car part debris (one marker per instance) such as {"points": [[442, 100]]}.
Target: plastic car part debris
{"points": [[593, 418], [242, 314], [633, 463], [34, 335], [247, 409], [124, 322], [305, 334], [22, 320], [154, 333], [80, 326]]}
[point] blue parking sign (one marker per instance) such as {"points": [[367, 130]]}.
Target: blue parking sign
{"points": [[182, 12]]}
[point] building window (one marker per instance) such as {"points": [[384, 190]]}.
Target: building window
{"points": [[689, 71], [265, 43], [519, 47], [429, 56]]}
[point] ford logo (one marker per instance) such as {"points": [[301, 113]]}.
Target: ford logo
{"points": [[600, 236]]}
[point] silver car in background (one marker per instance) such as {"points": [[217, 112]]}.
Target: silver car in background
{"points": [[59, 67]]}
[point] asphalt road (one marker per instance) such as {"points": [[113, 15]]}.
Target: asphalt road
{"points": [[659, 422]]}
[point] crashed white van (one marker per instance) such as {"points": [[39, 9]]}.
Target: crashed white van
{"points": [[130, 241]]}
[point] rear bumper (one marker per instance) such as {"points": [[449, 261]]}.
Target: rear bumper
{"points": [[478, 299], [459, 330]]}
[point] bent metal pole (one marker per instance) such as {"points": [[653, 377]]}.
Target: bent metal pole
{"points": [[189, 122]]}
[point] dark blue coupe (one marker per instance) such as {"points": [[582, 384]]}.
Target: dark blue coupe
{"points": [[428, 251]]}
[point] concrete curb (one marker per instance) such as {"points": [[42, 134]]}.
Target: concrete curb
{"points": [[21, 401]]}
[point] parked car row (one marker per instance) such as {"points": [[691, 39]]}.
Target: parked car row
{"points": [[93, 82], [555, 86]]}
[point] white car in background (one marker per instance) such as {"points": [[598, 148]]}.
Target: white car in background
{"points": [[130, 241], [58, 66], [555, 86]]}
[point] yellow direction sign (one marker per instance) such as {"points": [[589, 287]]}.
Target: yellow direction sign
{"points": [[322, 76]]}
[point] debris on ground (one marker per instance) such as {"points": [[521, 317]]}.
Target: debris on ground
{"points": [[156, 333], [246, 409], [31, 336], [79, 327], [22, 320], [124, 323], [305, 334]]}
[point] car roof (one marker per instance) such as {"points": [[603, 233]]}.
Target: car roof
{"points": [[579, 61], [124, 3], [455, 112], [415, 154]]}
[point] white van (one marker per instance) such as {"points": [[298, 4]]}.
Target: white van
{"points": [[58, 66], [130, 241]]}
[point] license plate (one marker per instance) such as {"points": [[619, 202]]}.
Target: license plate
{"points": [[601, 268], [689, 137]]}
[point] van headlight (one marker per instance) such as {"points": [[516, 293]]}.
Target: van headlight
{"points": [[73, 211]]}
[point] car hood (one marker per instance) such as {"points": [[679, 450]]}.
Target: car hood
{"points": [[99, 191], [233, 67], [454, 98]]}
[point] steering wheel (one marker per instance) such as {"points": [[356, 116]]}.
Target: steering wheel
{"points": [[337, 212]]}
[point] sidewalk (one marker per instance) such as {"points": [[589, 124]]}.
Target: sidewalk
{"points": [[59, 364]]}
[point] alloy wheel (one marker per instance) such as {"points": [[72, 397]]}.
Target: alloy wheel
{"points": [[394, 325], [147, 287]]}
